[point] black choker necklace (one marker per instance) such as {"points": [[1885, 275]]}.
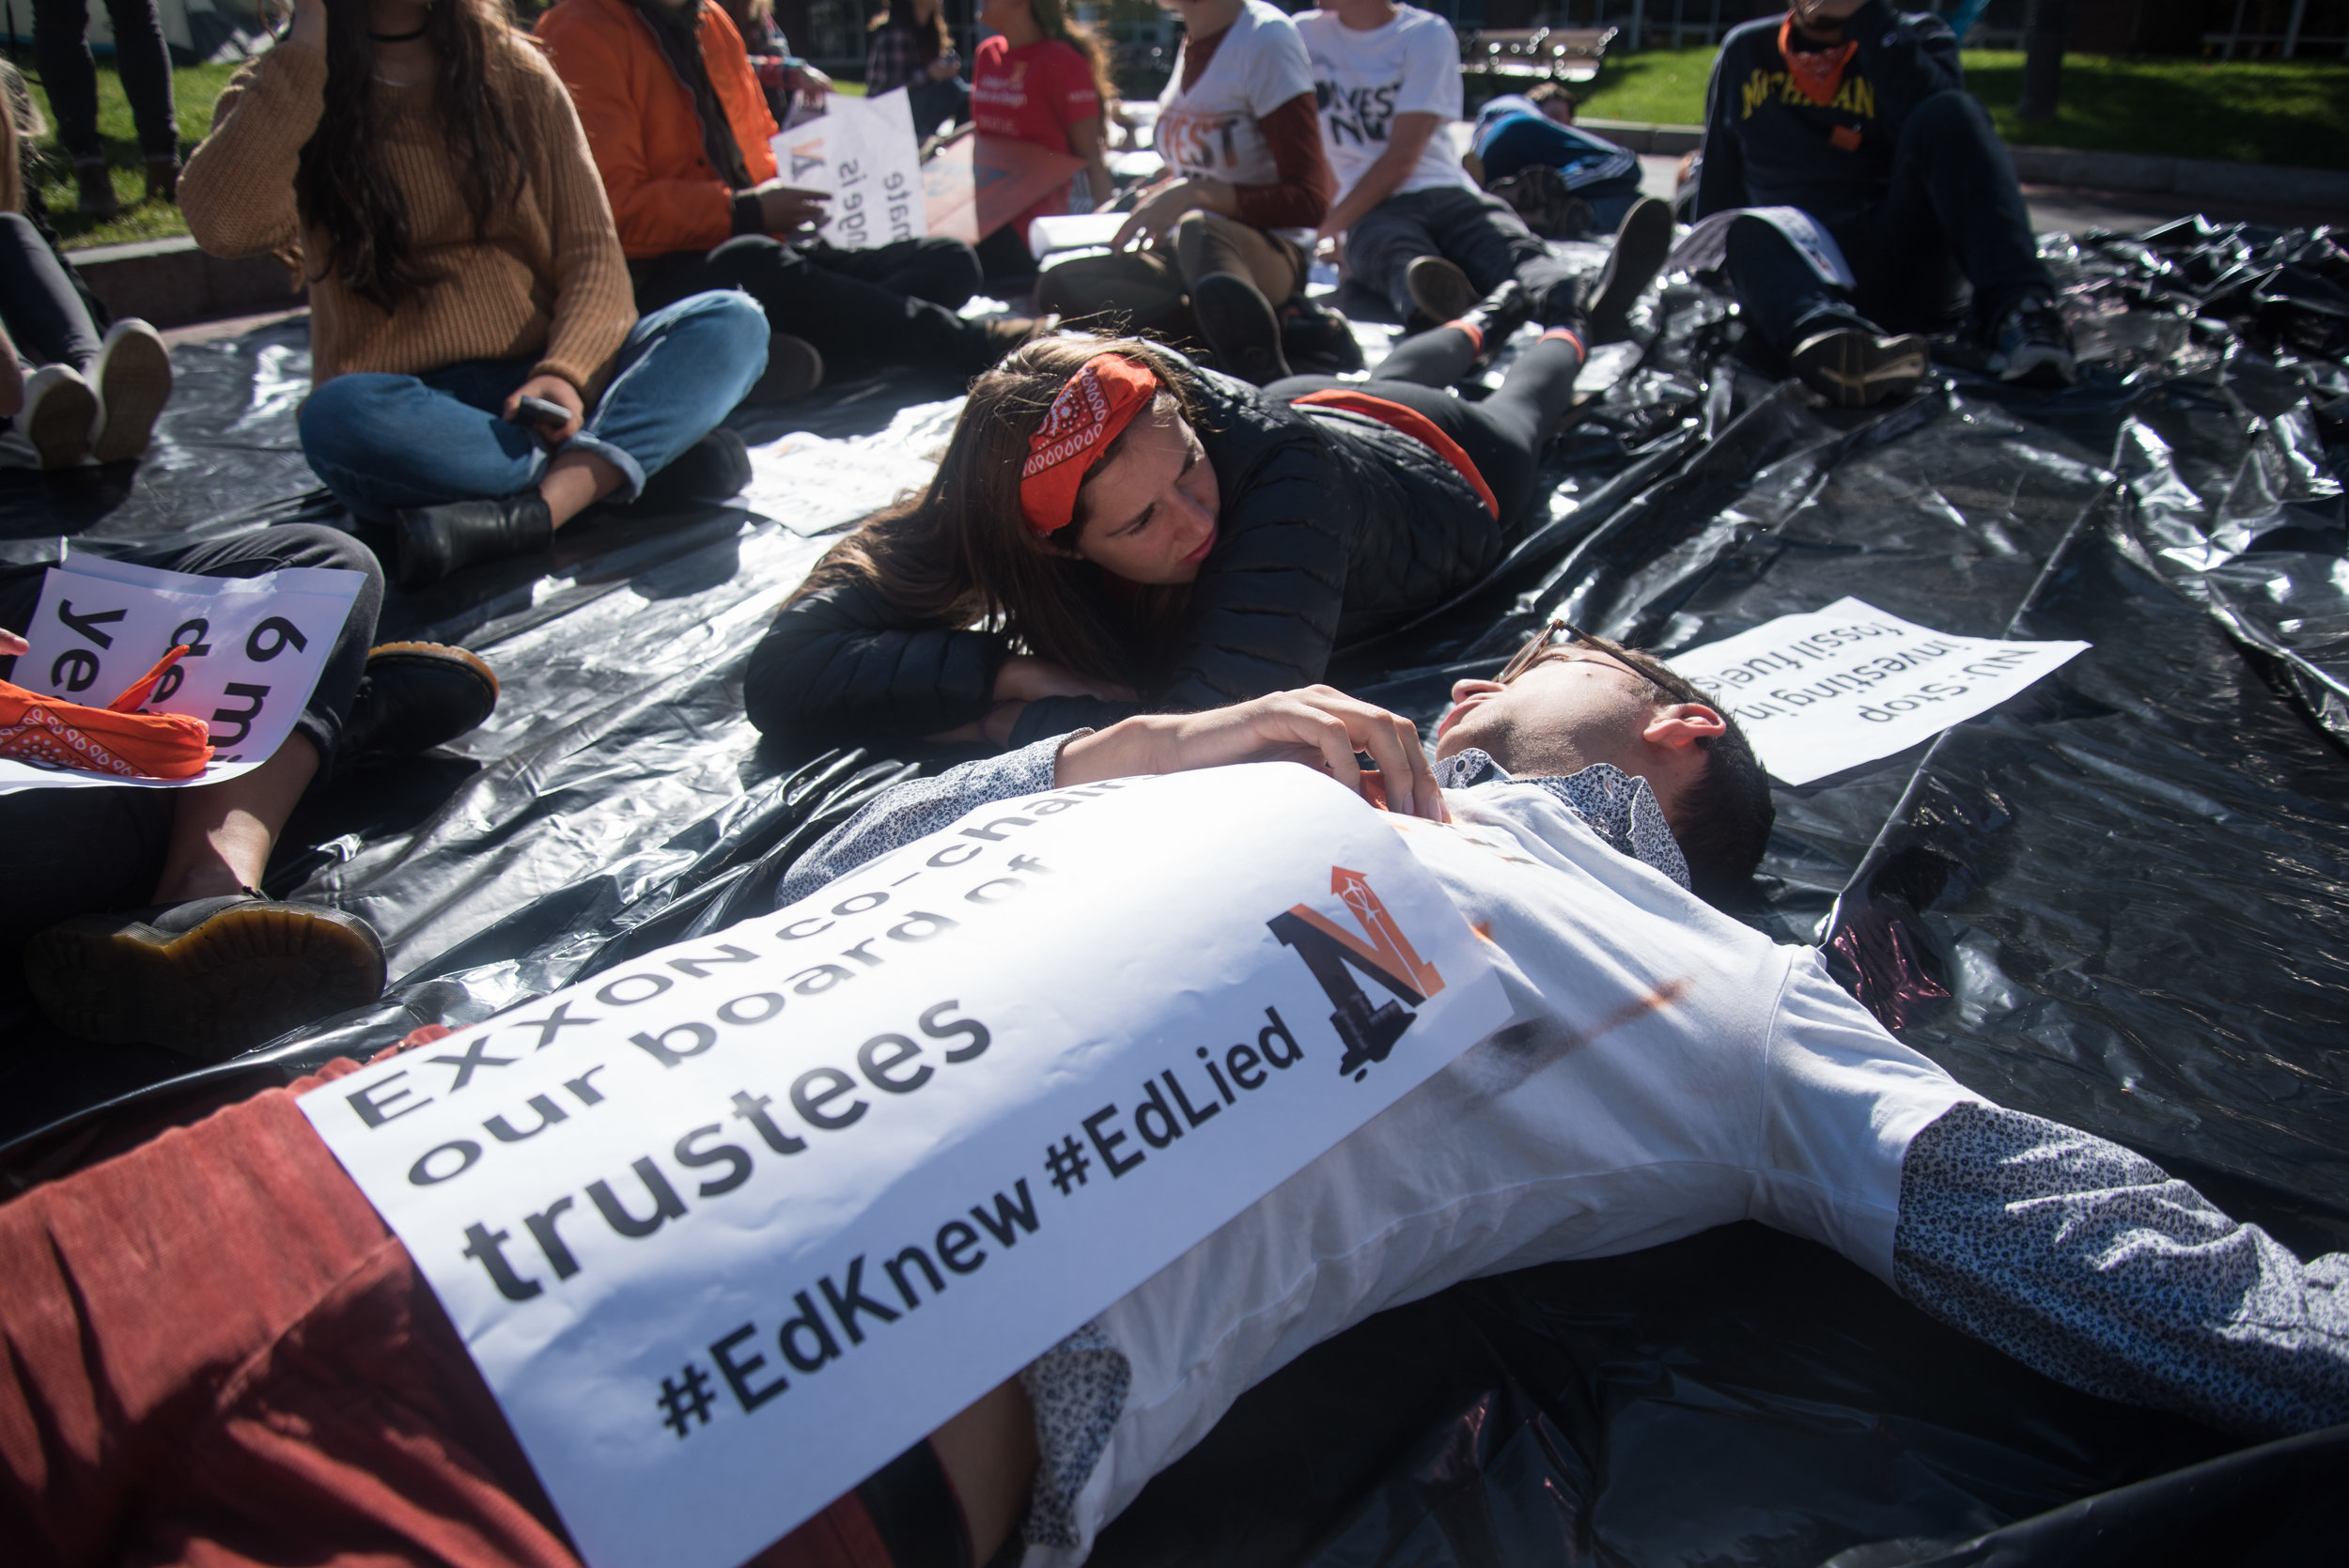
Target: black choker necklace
{"points": [[401, 38]]}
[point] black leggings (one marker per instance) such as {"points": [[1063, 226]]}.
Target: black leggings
{"points": [[1504, 434], [46, 316]]}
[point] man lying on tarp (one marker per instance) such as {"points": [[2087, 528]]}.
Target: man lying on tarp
{"points": [[218, 1353]]}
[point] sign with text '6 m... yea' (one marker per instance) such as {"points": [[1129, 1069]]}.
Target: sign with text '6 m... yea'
{"points": [[730, 1228], [256, 648]]}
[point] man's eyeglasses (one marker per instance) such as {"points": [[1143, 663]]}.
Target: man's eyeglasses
{"points": [[1559, 632]]}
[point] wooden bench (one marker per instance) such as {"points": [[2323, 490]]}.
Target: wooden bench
{"points": [[1528, 54]]}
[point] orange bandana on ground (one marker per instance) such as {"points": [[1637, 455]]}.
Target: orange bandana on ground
{"points": [[1097, 404], [51, 732], [1817, 73]]}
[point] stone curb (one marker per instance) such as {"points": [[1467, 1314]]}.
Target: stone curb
{"points": [[169, 283], [2097, 171]]}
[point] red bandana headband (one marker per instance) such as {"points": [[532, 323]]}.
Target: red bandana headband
{"points": [[1098, 402]]}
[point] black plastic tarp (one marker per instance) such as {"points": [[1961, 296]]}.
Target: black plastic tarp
{"points": [[2118, 900]]}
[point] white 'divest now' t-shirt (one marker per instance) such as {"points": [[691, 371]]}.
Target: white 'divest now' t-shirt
{"points": [[1215, 129], [1363, 78]]}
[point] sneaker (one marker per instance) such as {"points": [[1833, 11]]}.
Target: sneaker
{"points": [[1853, 368], [1239, 325], [96, 198], [794, 369], [60, 412], [134, 383], [2033, 346], [1496, 318], [713, 470], [1317, 340], [1641, 242], [413, 697], [1439, 290], [210, 978]]}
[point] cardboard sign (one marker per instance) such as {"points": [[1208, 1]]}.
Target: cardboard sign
{"points": [[730, 1228], [863, 153], [976, 184], [1820, 693], [258, 645], [1703, 248]]}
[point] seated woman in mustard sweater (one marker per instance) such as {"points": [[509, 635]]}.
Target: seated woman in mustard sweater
{"points": [[482, 376]]}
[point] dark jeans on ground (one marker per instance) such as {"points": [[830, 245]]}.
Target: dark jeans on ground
{"points": [[61, 48], [1502, 435], [1952, 215], [893, 304], [46, 316], [1476, 232], [77, 851]]}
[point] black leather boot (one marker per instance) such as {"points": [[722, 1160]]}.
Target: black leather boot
{"points": [[1238, 323], [713, 470], [1497, 317], [413, 697], [431, 542]]}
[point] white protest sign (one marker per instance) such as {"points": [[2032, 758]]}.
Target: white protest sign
{"points": [[257, 648], [1820, 693], [729, 1229], [863, 153]]}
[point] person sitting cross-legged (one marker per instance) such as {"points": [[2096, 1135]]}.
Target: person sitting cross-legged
{"points": [[1417, 231], [1858, 116], [135, 913], [1664, 1070], [680, 134], [481, 376]]}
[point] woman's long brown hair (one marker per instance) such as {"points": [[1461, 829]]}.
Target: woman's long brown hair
{"points": [[960, 554], [344, 185], [929, 41]]}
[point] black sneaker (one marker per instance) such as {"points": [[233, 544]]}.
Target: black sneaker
{"points": [[1239, 325], [209, 978], [1853, 368], [1641, 242], [2032, 346], [414, 696], [794, 369], [1317, 340], [1439, 290], [431, 542]]}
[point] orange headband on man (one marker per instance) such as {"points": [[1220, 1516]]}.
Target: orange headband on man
{"points": [[1098, 402]]}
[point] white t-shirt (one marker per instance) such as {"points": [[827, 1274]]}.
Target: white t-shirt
{"points": [[1362, 79], [1215, 129], [1667, 1070]]}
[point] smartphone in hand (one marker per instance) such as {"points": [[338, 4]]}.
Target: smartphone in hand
{"points": [[541, 414]]}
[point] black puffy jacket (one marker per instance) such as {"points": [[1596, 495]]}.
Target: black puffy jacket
{"points": [[1334, 529]]}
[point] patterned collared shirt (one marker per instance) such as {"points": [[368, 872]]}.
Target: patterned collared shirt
{"points": [[1621, 809]]}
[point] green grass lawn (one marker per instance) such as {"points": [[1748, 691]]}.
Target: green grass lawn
{"points": [[2253, 112], [2291, 112]]}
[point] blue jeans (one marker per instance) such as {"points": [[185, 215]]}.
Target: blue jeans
{"points": [[382, 442]]}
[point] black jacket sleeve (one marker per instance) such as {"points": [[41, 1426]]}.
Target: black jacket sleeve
{"points": [[840, 663]]}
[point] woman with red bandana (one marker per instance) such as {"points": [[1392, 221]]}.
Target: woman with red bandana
{"points": [[1114, 530]]}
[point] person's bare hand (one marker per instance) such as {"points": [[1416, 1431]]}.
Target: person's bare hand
{"points": [[309, 25], [554, 389], [943, 67], [812, 84], [11, 646], [1026, 679], [787, 210], [1319, 726], [1157, 212]]}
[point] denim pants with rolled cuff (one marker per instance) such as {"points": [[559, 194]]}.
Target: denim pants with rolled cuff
{"points": [[382, 442]]}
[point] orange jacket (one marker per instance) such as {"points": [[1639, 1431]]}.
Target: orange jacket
{"points": [[641, 125]]}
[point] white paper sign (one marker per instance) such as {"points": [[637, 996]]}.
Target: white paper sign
{"points": [[814, 484], [731, 1228], [1703, 247], [259, 644], [1820, 692], [863, 153]]}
